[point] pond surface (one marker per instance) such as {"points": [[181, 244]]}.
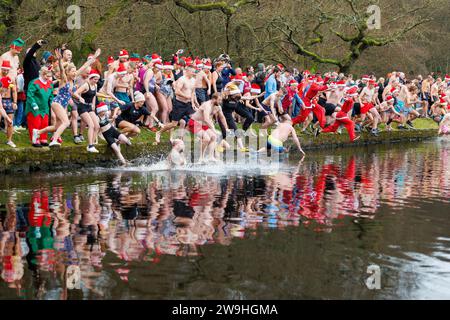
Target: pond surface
{"points": [[292, 230]]}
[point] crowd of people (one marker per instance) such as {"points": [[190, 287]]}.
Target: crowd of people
{"points": [[200, 95]]}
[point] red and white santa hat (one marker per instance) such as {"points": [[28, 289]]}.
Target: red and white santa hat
{"points": [[198, 63], [443, 102], [293, 83], [168, 66], [352, 92], [319, 80], [341, 84], [395, 90], [447, 78], [255, 89], [123, 54], [94, 74], [372, 82], [156, 58], [389, 98], [101, 107], [238, 78], [208, 65], [365, 78], [6, 65], [159, 64], [122, 70], [306, 73], [110, 60]]}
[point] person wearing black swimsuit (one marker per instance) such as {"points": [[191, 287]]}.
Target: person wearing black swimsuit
{"points": [[86, 95]]}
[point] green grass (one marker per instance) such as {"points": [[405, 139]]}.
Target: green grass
{"points": [[22, 139]]}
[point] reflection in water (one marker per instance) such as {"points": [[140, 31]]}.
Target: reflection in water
{"points": [[66, 239]]}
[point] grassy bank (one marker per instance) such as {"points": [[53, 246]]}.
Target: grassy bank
{"points": [[70, 155]]}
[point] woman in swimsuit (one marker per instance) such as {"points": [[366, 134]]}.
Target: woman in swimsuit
{"points": [[86, 95], [217, 80], [149, 90], [67, 88], [162, 97]]}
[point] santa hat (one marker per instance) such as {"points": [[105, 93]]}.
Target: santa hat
{"points": [[333, 85], [101, 107], [198, 63], [123, 54], [443, 102], [306, 73], [208, 65], [256, 88], [394, 90], [372, 82], [319, 80], [17, 44], [156, 58], [94, 73], [389, 98], [352, 92], [110, 60], [341, 83], [365, 78], [159, 64], [447, 78], [293, 83], [6, 82], [122, 70], [135, 57], [188, 61], [238, 78], [6, 65], [168, 66]]}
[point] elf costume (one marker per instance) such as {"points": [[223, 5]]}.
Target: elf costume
{"points": [[39, 98]]}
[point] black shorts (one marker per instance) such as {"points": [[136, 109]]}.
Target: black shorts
{"points": [[83, 108], [181, 110], [262, 115], [329, 109], [356, 109], [322, 102], [111, 135]]}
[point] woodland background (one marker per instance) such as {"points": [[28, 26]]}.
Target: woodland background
{"points": [[315, 34]]}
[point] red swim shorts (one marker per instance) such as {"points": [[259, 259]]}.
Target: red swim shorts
{"points": [[196, 127]]}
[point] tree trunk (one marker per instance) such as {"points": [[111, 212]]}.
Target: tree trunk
{"points": [[227, 33]]}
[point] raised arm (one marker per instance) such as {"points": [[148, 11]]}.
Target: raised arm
{"points": [[89, 62]]}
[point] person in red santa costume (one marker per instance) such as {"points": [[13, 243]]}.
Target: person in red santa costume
{"points": [[342, 117]]}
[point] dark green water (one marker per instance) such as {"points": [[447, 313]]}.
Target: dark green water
{"points": [[304, 230]]}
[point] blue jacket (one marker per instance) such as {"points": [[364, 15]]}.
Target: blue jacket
{"points": [[271, 86]]}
